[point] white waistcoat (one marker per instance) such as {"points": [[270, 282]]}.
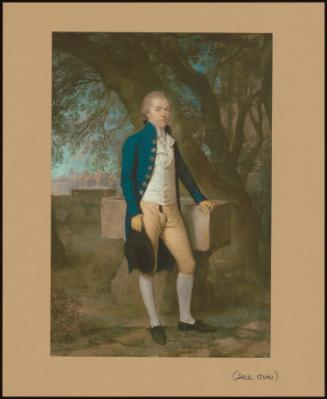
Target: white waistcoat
{"points": [[161, 188]]}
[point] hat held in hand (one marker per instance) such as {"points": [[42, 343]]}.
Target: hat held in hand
{"points": [[138, 251]]}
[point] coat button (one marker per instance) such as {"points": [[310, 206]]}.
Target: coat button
{"points": [[144, 184], [153, 141], [147, 176], [151, 158], [141, 192], [153, 149], [150, 167]]}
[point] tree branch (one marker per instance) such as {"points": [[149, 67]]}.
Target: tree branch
{"points": [[253, 154], [239, 130]]}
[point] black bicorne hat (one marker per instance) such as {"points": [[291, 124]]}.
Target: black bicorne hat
{"points": [[138, 251]]}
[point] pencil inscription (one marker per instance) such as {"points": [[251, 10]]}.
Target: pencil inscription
{"points": [[240, 376]]}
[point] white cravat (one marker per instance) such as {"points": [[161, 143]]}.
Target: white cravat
{"points": [[161, 188]]}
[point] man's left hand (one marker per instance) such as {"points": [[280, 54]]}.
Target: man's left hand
{"points": [[207, 205]]}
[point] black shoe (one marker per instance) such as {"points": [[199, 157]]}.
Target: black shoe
{"points": [[158, 334], [197, 326]]}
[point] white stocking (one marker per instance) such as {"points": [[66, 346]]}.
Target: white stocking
{"points": [[184, 285], [147, 293]]}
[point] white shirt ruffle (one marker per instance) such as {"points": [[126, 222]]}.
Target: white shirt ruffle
{"points": [[161, 188], [165, 151]]}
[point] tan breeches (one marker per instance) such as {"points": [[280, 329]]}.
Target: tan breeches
{"points": [[169, 226]]}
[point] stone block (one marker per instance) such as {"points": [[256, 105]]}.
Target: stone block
{"points": [[113, 217], [207, 231]]}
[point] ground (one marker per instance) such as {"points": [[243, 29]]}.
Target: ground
{"points": [[110, 329]]}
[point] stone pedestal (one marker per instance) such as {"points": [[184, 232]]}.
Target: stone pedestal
{"points": [[113, 217], [207, 230]]}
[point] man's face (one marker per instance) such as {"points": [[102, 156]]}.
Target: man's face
{"points": [[158, 113]]}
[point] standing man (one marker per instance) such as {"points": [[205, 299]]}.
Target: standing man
{"points": [[151, 167]]}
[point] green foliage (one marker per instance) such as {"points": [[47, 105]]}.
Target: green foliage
{"points": [[86, 115]]}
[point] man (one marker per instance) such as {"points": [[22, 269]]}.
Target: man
{"points": [[151, 167]]}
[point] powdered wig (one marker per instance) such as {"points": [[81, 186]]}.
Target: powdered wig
{"points": [[146, 103]]}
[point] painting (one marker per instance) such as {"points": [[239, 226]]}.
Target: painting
{"points": [[219, 87], [74, 323]]}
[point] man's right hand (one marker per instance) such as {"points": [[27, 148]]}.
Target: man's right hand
{"points": [[137, 222]]}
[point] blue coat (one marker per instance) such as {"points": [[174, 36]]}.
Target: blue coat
{"points": [[138, 158]]}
